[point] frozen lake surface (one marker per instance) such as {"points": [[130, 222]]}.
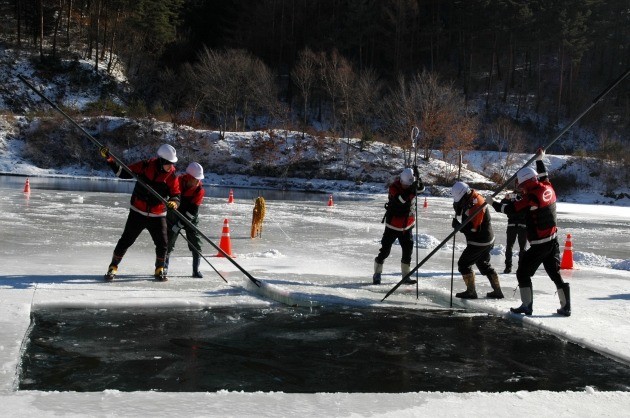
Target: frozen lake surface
{"points": [[56, 245]]}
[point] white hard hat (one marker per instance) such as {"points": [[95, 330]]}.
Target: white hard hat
{"points": [[195, 170], [406, 177], [525, 174], [167, 152], [458, 190]]}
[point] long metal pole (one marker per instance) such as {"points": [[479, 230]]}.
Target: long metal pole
{"points": [[459, 177], [415, 133], [146, 186], [510, 180]]}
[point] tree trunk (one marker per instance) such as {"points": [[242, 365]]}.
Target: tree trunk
{"points": [[40, 6], [112, 42], [57, 24], [69, 14], [490, 76], [538, 82], [19, 22], [509, 69], [570, 89], [97, 34], [560, 86]]}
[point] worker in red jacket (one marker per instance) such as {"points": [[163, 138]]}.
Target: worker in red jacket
{"points": [[191, 199], [147, 211], [479, 240], [399, 220], [539, 205]]}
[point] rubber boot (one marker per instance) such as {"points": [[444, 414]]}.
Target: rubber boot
{"points": [[166, 259], [527, 302], [378, 269], [160, 271], [111, 273], [196, 261], [405, 269], [564, 293], [496, 287], [160, 274], [112, 270], [470, 292]]}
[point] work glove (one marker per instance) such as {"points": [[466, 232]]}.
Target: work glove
{"points": [[455, 224], [540, 153], [171, 204], [104, 152]]}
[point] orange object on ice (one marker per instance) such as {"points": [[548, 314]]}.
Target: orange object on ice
{"points": [[226, 243], [567, 255]]}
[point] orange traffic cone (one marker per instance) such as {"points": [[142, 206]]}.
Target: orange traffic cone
{"points": [[226, 243], [426, 204], [330, 201], [27, 187], [567, 256], [231, 196]]}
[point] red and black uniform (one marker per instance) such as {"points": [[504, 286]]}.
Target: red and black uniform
{"points": [[478, 232], [516, 229], [399, 220], [191, 199], [147, 211], [538, 203]]}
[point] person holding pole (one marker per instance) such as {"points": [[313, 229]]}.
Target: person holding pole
{"points": [[515, 229], [399, 220], [539, 205], [147, 211], [192, 194], [479, 240]]}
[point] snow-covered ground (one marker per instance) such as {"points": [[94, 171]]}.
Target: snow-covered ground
{"points": [[56, 245]]}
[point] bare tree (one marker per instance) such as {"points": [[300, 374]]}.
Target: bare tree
{"points": [[506, 137], [331, 74], [304, 75], [400, 117], [367, 95], [233, 81], [441, 114]]}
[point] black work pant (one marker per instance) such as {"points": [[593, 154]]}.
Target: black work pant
{"points": [[514, 232], [192, 236], [478, 255], [405, 239], [547, 254], [136, 223]]}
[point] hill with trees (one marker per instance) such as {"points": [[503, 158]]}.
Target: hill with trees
{"points": [[498, 75]]}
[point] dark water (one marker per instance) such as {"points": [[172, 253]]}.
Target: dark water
{"points": [[294, 350], [113, 185]]}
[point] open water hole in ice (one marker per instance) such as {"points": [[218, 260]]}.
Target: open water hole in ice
{"points": [[299, 350]]}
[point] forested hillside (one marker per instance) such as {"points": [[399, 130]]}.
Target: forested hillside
{"points": [[490, 74]]}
